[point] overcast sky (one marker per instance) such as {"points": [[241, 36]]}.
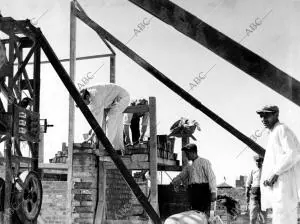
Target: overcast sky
{"points": [[226, 90]]}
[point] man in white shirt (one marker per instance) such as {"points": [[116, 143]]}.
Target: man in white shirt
{"points": [[116, 99], [200, 178], [280, 178], [253, 192]]}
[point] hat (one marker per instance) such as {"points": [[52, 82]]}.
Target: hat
{"points": [[190, 147], [268, 109], [258, 157]]}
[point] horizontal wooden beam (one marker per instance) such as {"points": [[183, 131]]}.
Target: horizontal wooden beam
{"points": [[137, 109], [133, 164]]}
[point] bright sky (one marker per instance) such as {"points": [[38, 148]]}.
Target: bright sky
{"points": [[226, 90]]}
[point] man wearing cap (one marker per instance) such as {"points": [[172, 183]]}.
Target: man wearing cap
{"points": [[200, 179], [280, 178], [253, 192]]}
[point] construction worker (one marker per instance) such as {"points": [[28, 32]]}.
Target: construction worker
{"points": [[132, 120], [200, 179], [115, 99], [253, 193], [280, 176]]}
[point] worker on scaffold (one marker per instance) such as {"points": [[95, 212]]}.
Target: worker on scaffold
{"points": [[114, 98]]}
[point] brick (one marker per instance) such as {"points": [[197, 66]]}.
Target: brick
{"points": [[85, 174], [83, 209], [83, 197], [88, 203], [86, 215], [83, 185]]}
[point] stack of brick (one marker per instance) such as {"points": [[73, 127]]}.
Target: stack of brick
{"points": [[84, 192], [60, 156]]}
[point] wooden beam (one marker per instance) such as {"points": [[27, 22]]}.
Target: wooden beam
{"points": [[137, 109], [153, 154], [222, 45], [8, 143], [170, 84], [22, 67], [36, 101], [100, 211], [71, 128], [112, 63]]}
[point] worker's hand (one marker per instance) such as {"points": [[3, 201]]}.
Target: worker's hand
{"points": [[175, 187], [213, 196], [89, 139], [271, 181]]}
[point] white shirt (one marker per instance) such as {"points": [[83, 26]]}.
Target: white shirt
{"points": [[253, 179], [199, 172], [282, 158]]}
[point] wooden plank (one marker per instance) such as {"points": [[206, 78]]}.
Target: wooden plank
{"points": [[137, 109], [112, 77], [126, 222], [166, 162], [162, 167], [18, 159], [100, 211], [53, 166], [8, 143], [36, 100], [231, 51], [184, 141], [71, 127], [153, 154]]}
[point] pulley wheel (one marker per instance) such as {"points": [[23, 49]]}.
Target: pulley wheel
{"points": [[30, 198]]}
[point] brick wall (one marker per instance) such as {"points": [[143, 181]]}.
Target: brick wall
{"points": [[84, 192], [121, 202], [54, 203]]}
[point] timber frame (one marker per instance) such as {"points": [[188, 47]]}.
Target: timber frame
{"points": [[22, 34], [15, 84]]}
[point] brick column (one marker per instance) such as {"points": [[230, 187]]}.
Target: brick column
{"points": [[84, 190]]}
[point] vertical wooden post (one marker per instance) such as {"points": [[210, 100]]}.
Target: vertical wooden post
{"points": [[184, 141], [71, 109], [7, 149], [41, 148], [36, 102], [112, 78], [153, 153], [100, 213]]}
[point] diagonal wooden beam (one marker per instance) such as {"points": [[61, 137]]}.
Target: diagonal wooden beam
{"points": [[22, 68], [217, 42], [63, 75], [169, 83]]}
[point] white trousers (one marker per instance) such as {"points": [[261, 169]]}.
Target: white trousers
{"points": [[114, 124]]}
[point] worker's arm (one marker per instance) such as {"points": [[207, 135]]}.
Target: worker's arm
{"points": [[291, 150], [91, 136], [181, 178], [211, 180]]}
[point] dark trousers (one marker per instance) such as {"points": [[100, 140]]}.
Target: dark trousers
{"points": [[135, 128], [200, 197]]}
